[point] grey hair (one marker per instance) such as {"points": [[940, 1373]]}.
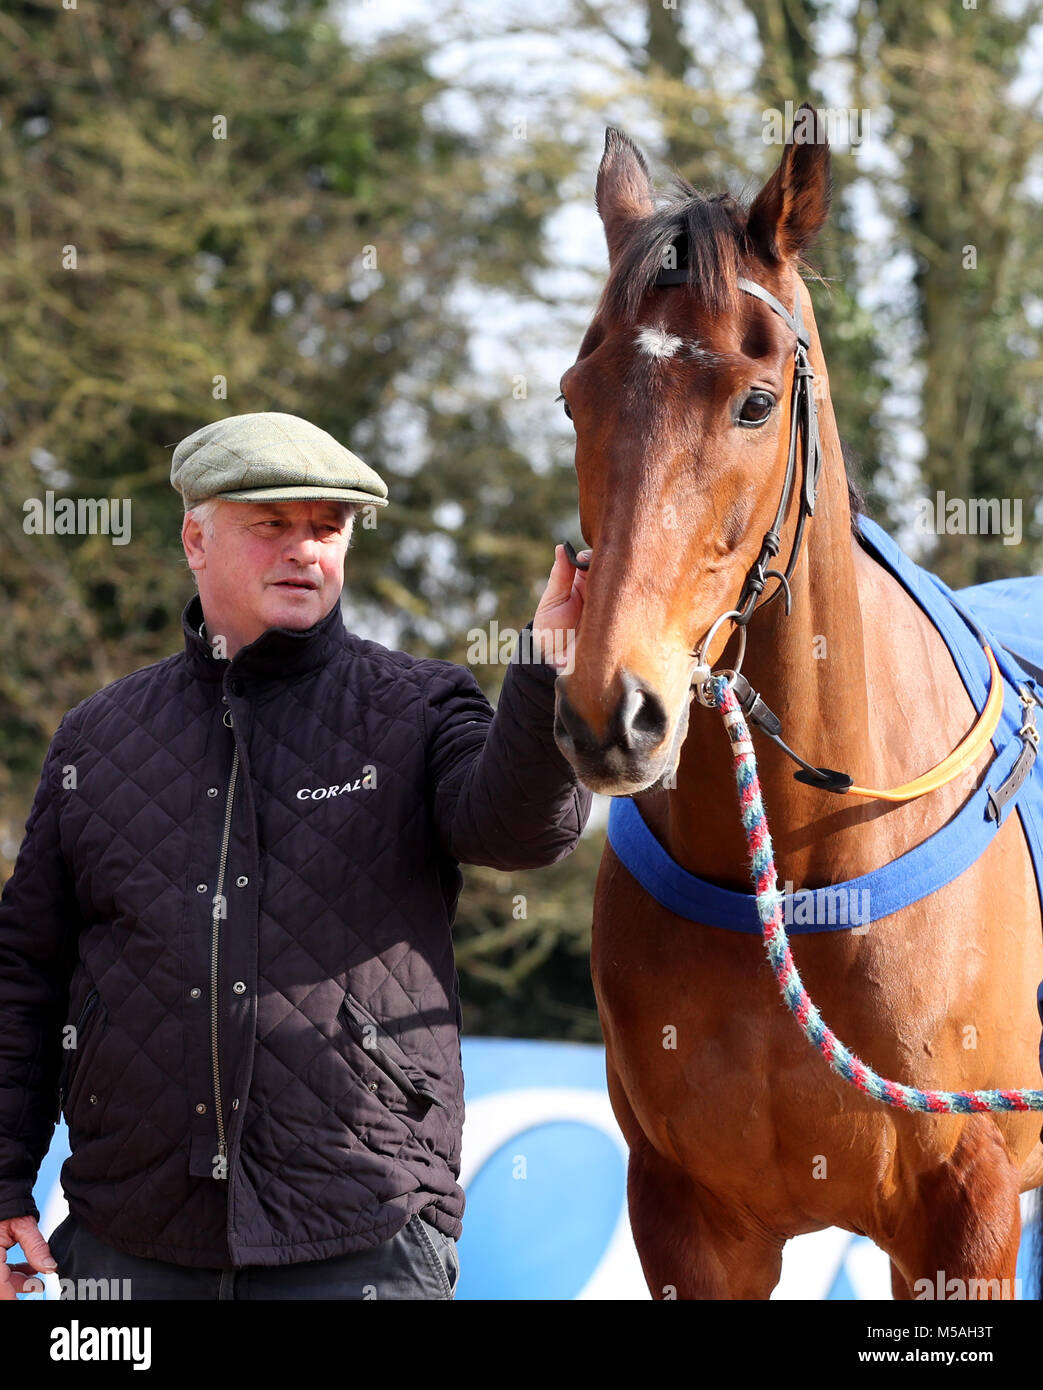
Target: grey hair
{"points": [[203, 512]]}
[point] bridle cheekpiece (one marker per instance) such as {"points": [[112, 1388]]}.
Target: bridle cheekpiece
{"points": [[804, 435]]}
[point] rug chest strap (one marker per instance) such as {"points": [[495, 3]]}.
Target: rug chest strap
{"points": [[1012, 783]]}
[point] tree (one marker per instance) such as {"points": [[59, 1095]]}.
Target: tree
{"points": [[968, 210]]}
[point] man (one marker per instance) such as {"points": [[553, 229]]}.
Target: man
{"points": [[225, 949]]}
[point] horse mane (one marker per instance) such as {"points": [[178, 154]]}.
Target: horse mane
{"points": [[708, 234]]}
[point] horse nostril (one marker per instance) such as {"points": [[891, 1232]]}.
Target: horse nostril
{"points": [[637, 726], [649, 717], [641, 718]]}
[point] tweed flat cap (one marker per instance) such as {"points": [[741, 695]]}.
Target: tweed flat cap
{"points": [[270, 457]]}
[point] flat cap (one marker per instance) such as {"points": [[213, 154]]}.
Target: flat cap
{"points": [[270, 457]]}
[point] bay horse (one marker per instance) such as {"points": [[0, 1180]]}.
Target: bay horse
{"points": [[740, 1136]]}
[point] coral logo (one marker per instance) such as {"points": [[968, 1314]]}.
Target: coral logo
{"points": [[366, 782]]}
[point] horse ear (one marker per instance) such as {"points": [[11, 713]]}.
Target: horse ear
{"points": [[791, 209], [624, 188]]}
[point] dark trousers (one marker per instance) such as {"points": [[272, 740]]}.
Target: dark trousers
{"points": [[417, 1263]]}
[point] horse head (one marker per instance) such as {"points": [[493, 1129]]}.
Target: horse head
{"points": [[682, 398]]}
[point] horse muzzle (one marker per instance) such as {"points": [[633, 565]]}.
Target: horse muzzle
{"points": [[635, 751]]}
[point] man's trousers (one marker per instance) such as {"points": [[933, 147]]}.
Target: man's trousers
{"points": [[417, 1263]]}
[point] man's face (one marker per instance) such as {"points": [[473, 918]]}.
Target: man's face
{"points": [[268, 564]]}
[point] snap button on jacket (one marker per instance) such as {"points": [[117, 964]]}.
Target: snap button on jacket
{"points": [[225, 948]]}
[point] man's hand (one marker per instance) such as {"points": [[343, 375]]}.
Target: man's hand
{"points": [[557, 619], [16, 1279]]}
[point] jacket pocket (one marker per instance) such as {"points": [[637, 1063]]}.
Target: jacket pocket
{"points": [[380, 1046], [72, 1061]]}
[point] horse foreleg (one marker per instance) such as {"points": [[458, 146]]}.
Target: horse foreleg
{"points": [[959, 1238], [899, 1288], [689, 1246]]}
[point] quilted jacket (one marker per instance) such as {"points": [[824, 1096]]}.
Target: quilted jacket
{"points": [[225, 949]]}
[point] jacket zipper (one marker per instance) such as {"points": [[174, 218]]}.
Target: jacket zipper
{"points": [[88, 1006], [222, 1147]]}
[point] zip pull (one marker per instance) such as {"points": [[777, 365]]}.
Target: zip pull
{"points": [[221, 1162]]}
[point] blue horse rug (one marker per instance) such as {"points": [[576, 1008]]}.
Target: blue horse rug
{"points": [[1008, 615]]}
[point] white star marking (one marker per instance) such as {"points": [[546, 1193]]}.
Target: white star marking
{"points": [[657, 342]]}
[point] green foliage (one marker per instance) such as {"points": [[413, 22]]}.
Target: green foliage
{"points": [[968, 209]]}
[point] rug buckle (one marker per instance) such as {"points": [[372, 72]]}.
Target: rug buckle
{"points": [[1028, 730]]}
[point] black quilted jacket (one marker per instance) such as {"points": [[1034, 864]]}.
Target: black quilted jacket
{"points": [[237, 885]]}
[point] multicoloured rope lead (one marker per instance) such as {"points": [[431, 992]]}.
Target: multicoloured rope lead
{"points": [[776, 943]]}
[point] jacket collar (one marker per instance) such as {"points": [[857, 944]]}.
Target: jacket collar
{"points": [[277, 653]]}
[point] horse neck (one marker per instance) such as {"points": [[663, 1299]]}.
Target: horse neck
{"points": [[810, 669]]}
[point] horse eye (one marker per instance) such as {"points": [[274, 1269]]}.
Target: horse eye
{"points": [[565, 403], [756, 408]]}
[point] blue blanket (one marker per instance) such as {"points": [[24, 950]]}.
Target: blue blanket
{"points": [[1012, 610], [1009, 613]]}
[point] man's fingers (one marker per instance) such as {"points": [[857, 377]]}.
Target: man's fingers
{"points": [[568, 574], [36, 1250], [16, 1279], [562, 570], [559, 582], [24, 1279]]}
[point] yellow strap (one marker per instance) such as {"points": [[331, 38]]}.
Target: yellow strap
{"points": [[961, 757]]}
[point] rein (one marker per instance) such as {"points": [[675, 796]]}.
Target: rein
{"points": [[769, 908]]}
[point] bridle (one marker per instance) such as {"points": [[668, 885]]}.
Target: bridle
{"points": [[804, 435], [805, 440]]}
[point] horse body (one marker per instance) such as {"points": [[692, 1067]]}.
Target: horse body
{"points": [[763, 1140], [739, 1133]]}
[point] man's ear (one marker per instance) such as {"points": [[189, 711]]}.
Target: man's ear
{"points": [[193, 538], [791, 209], [624, 189]]}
